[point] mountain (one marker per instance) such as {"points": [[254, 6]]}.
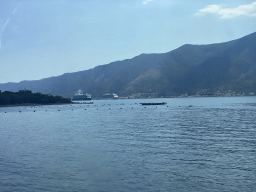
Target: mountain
{"points": [[215, 69], [112, 77], [233, 69]]}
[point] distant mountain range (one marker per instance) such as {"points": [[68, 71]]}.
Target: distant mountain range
{"points": [[204, 70]]}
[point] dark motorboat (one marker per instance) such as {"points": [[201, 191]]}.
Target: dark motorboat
{"points": [[163, 103]]}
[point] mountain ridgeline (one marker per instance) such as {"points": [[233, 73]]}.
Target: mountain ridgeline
{"points": [[204, 70]]}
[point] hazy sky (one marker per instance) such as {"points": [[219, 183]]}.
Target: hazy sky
{"points": [[44, 38]]}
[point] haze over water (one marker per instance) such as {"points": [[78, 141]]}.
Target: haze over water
{"points": [[119, 145]]}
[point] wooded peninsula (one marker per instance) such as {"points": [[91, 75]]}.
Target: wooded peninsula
{"points": [[25, 97]]}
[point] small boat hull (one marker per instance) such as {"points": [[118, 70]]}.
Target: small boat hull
{"points": [[163, 103]]}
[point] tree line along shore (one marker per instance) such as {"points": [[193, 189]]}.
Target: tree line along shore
{"points": [[26, 97]]}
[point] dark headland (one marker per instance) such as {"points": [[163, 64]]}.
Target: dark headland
{"points": [[26, 97]]}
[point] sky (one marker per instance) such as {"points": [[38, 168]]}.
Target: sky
{"points": [[45, 38]]}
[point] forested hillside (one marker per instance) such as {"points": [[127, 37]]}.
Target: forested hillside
{"points": [[217, 69]]}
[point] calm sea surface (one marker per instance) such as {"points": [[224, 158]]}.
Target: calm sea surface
{"points": [[119, 145]]}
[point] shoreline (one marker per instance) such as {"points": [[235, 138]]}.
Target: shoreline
{"points": [[33, 104]]}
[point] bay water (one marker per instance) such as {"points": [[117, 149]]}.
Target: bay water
{"points": [[189, 144]]}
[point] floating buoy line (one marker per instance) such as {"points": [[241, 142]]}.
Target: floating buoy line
{"points": [[104, 105]]}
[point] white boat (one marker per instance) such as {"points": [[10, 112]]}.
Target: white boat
{"points": [[81, 97], [110, 96]]}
